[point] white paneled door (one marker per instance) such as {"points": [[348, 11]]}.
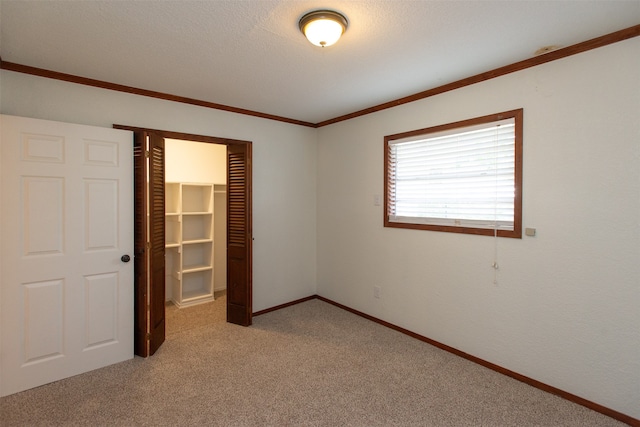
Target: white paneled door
{"points": [[66, 234]]}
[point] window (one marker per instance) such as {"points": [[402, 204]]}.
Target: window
{"points": [[463, 177]]}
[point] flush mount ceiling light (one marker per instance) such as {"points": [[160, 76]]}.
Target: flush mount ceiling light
{"points": [[323, 27]]}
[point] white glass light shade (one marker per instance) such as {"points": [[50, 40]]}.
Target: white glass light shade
{"points": [[323, 32], [323, 28]]}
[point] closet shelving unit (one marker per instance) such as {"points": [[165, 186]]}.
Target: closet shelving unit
{"points": [[189, 235]]}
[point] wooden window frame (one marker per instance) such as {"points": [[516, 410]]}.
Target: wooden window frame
{"points": [[517, 115]]}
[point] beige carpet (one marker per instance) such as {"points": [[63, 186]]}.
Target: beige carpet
{"points": [[311, 364], [179, 320]]}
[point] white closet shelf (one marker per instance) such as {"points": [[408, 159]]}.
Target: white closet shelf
{"points": [[194, 241], [197, 267], [189, 226], [196, 213]]}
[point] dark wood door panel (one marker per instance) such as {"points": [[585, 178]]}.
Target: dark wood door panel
{"points": [[140, 261], [239, 295], [156, 242]]}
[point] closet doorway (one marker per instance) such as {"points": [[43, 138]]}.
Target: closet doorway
{"points": [[195, 234], [151, 229]]}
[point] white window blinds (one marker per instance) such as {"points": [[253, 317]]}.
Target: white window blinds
{"points": [[464, 177]]}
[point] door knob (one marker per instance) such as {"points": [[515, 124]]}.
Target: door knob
{"points": [[125, 258]]}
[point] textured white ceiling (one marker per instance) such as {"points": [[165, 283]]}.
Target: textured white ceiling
{"points": [[250, 54]]}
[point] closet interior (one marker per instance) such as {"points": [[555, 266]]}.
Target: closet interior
{"points": [[195, 209]]}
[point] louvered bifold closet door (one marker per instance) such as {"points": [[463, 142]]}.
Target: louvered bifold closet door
{"points": [[156, 242], [149, 325], [239, 298], [140, 260]]}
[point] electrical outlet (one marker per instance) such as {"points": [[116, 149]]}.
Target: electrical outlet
{"points": [[376, 291]]}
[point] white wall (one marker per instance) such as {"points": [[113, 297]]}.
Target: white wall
{"points": [[284, 168], [197, 162], [566, 306]]}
